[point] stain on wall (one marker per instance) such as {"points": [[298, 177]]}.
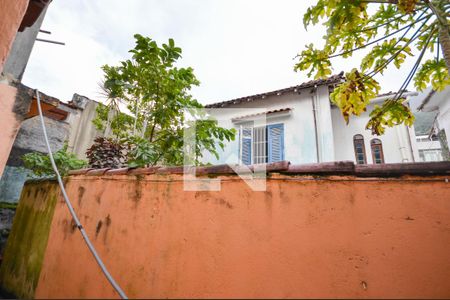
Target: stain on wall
{"points": [[27, 242]]}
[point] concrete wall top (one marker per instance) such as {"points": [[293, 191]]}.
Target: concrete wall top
{"points": [[285, 167]]}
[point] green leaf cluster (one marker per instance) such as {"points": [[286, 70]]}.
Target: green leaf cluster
{"points": [[314, 59], [391, 113], [380, 54], [432, 72], [40, 163], [142, 152], [353, 96], [393, 30], [155, 92]]}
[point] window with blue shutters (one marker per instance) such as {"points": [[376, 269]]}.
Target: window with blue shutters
{"points": [[262, 144], [246, 146], [275, 142]]}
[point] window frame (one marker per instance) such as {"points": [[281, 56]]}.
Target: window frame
{"points": [[254, 154], [374, 143], [260, 145], [360, 139]]}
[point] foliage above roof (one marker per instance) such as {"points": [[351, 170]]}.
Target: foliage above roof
{"points": [[393, 31]]}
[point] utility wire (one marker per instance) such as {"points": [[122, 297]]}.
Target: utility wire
{"points": [[382, 38], [411, 39], [72, 211]]}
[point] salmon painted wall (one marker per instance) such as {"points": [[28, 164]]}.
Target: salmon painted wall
{"points": [[301, 238], [24, 253], [12, 12], [9, 122]]}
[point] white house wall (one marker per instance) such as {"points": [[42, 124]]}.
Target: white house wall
{"points": [[443, 118], [299, 133], [395, 141], [325, 126]]}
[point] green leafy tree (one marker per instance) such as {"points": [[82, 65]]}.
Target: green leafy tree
{"points": [[41, 165], [155, 93], [394, 30]]}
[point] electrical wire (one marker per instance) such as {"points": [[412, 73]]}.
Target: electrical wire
{"points": [[72, 211]]}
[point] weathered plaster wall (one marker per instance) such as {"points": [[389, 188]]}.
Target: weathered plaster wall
{"points": [[24, 253], [9, 122], [334, 237], [29, 139], [12, 14], [82, 130], [7, 213], [21, 48]]}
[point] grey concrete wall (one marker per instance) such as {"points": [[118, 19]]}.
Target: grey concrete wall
{"points": [[82, 130], [30, 136], [21, 49], [78, 130], [6, 220], [29, 139], [12, 183]]}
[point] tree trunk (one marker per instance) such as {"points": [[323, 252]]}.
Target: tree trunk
{"points": [[444, 38], [135, 117]]}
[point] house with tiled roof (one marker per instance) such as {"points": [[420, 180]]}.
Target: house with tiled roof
{"points": [[301, 125]]}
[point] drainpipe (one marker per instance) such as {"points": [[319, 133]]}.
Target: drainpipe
{"points": [[408, 131], [240, 146], [401, 142], [316, 131], [405, 142]]}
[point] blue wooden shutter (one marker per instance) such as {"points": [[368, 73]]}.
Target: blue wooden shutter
{"points": [[275, 139], [246, 146]]}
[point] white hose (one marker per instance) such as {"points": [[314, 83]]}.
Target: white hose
{"points": [[72, 211]]}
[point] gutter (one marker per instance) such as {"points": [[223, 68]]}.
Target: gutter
{"points": [[405, 94], [316, 131]]}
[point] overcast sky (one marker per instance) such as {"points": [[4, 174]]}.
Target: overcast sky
{"points": [[236, 47]]}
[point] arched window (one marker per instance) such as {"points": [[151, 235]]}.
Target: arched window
{"points": [[377, 151], [360, 150]]}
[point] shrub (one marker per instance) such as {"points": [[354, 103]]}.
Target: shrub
{"points": [[107, 153], [40, 163], [142, 153]]}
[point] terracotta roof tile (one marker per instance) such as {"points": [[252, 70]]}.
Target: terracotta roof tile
{"points": [[262, 113], [330, 80]]}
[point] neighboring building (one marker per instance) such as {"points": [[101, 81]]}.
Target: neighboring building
{"points": [[304, 127], [439, 102], [427, 140], [22, 46], [71, 122], [16, 42]]}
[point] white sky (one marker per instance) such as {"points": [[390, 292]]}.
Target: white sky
{"points": [[236, 47]]}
